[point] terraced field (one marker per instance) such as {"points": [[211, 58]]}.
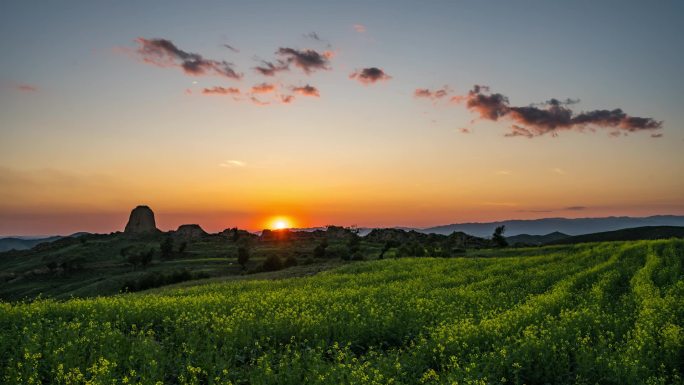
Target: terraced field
{"points": [[608, 313]]}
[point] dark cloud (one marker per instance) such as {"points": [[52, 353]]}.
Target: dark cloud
{"points": [[230, 47], [263, 88], [270, 69], [307, 90], [308, 60], [369, 75], [221, 91], [556, 102], [164, 53], [575, 208], [431, 94], [534, 121], [287, 99], [313, 36]]}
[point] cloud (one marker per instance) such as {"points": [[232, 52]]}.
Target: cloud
{"points": [[308, 60], [258, 102], [287, 99], [464, 130], [574, 208], [369, 75], [431, 94], [263, 88], [360, 28], [504, 172], [163, 53], [313, 36], [270, 69], [26, 88], [659, 135], [221, 91], [307, 90], [232, 163], [230, 47], [558, 171], [555, 116]]}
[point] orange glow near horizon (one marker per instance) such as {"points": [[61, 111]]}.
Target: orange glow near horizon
{"points": [[279, 223]]}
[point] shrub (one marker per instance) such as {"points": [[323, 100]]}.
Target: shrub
{"points": [[243, 256], [272, 263], [290, 261]]}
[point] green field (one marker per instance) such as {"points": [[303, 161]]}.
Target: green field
{"points": [[607, 313]]}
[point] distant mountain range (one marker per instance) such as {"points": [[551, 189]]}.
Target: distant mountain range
{"points": [[575, 226], [25, 243]]}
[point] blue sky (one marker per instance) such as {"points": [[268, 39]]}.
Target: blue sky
{"points": [[96, 115]]}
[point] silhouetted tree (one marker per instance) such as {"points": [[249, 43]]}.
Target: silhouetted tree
{"points": [[272, 263], [243, 256], [354, 243], [166, 248], [319, 250], [182, 247], [498, 238], [388, 245], [290, 261]]}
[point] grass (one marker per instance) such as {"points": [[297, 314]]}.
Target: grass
{"points": [[609, 313]]}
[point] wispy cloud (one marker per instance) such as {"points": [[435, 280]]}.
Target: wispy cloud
{"points": [[369, 75], [558, 171], [230, 47], [432, 94], [360, 28], [268, 68], [26, 88], [307, 90], [164, 53], [221, 91], [555, 116], [232, 163], [574, 208], [307, 60], [263, 88]]}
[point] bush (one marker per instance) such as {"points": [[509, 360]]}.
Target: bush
{"points": [[152, 280], [242, 256], [166, 248], [290, 261], [357, 257], [319, 250], [272, 263]]}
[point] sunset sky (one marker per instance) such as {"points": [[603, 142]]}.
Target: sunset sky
{"points": [[352, 113]]}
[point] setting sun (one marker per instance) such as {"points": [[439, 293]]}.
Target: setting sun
{"points": [[279, 223]]}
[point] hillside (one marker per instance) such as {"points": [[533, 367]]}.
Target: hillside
{"points": [[567, 315], [535, 240], [106, 264], [633, 234]]}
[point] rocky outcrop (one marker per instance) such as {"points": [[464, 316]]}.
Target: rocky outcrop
{"points": [[141, 221], [188, 232]]}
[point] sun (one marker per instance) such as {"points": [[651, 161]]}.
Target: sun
{"points": [[280, 223]]}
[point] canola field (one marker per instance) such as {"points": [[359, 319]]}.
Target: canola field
{"points": [[603, 313]]}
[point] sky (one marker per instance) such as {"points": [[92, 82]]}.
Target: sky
{"points": [[382, 113]]}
